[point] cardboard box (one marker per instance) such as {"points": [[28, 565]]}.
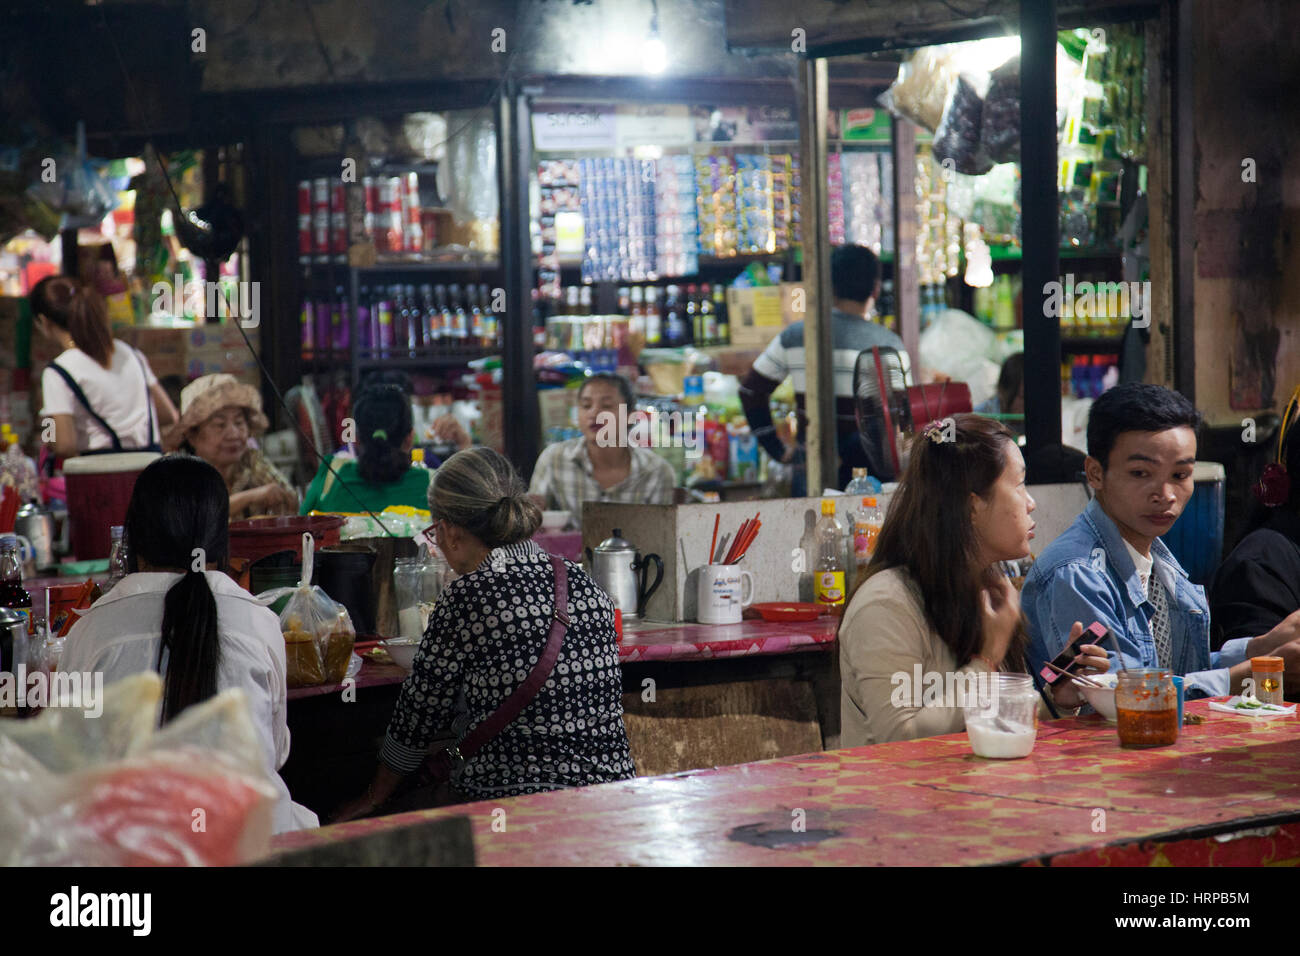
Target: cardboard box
{"points": [[755, 316]]}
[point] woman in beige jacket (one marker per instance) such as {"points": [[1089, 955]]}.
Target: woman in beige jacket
{"points": [[933, 610]]}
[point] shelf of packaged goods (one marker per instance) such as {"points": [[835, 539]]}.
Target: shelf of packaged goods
{"points": [[326, 359], [433, 265], [430, 360], [1086, 345], [706, 262], [1071, 253]]}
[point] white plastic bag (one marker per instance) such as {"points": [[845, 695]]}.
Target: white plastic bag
{"points": [[113, 790]]}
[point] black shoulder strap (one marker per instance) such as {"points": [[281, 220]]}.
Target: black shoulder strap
{"points": [[81, 397], [149, 443]]}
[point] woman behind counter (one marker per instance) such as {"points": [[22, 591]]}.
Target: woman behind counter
{"points": [[381, 475], [199, 629], [932, 593], [600, 465], [487, 629], [100, 393], [219, 418]]}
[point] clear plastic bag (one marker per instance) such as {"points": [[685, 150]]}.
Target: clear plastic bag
{"points": [[113, 790], [921, 89], [318, 633]]}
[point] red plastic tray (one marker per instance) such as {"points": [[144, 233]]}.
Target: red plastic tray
{"points": [[788, 611]]}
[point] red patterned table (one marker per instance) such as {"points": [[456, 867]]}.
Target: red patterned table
{"points": [[647, 641], [1227, 793]]}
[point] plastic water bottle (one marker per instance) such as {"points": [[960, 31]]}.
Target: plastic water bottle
{"points": [[117, 563], [862, 484], [828, 572]]}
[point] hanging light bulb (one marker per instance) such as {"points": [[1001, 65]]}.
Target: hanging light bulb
{"points": [[654, 55]]}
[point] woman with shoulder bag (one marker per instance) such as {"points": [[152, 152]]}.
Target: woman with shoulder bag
{"points": [[519, 659], [99, 392]]}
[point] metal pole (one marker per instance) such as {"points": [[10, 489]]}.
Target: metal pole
{"points": [[1040, 232], [518, 383], [819, 397]]}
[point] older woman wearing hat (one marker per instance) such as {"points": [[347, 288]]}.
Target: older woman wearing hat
{"points": [[219, 416]]}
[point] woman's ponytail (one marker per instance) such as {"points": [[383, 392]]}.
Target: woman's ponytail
{"points": [[384, 421], [176, 521], [189, 639], [79, 310]]}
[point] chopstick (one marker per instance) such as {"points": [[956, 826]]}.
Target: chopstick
{"points": [[1081, 681], [714, 545]]}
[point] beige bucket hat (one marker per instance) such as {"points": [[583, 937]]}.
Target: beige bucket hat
{"points": [[204, 397]]}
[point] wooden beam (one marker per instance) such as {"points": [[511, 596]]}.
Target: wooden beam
{"points": [[1040, 230], [833, 27], [907, 294], [822, 450], [1183, 182]]}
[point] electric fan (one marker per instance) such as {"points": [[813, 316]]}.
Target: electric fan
{"points": [[889, 411], [309, 418]]}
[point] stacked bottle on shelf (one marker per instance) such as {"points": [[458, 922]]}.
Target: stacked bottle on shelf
{"points": [[403, 321], [647, 315]]}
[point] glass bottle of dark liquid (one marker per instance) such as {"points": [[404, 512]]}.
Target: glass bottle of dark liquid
{"points": [[720, 307], [12, 593]]}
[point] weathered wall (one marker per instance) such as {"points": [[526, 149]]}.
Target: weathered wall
{"points": [[276, 45], [1247, 76]]}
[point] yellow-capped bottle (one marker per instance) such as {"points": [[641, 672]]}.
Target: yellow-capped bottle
{"points": [[828, 572]]}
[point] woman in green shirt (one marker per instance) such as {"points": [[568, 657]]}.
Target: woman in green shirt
{"points": [[381, 475]]}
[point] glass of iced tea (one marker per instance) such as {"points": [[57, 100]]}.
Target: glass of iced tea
{"points": [[1146, 705]]}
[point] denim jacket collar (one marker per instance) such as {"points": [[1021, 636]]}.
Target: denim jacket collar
{"points": [[1166, 566]]}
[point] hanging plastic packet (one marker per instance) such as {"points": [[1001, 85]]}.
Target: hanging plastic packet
{"points": [[318, 633]]}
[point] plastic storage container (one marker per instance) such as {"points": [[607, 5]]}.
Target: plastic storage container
{"points": [[1196, 538]]}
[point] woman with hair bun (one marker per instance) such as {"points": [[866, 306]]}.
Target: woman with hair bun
{"points": [[381, 475], [100, 393], [486, 633]]}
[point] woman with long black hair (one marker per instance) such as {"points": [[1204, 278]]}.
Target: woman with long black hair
{"points": [[932, 594], [179, 614]]}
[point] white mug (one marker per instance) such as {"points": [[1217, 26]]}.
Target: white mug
{"points": [[721, 596]]}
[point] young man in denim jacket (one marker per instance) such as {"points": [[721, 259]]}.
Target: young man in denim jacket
{"points": [[1110, 565]]}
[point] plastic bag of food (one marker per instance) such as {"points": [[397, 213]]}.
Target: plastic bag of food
{"points": [[318, 633], [921, 89], [110, 789], [1000, 126], [957, 138]]}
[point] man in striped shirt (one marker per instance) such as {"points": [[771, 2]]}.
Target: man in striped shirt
{"points": [[854, 284]]}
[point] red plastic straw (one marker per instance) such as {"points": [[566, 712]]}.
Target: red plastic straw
{"points": [[714, 545]]}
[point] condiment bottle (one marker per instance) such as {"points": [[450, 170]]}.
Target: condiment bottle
{"points": [[828, 572], [1267, 674], [1147, 708]]}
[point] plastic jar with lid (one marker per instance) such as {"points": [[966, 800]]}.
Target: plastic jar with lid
{"points": [[1146, 705], [1267, 674]]}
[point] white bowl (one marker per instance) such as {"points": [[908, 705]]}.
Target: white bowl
{"points": [[401, 650], [554, 520], [1102, 701]]}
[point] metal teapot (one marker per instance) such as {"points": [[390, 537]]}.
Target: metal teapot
{"points": [[622, 572]]}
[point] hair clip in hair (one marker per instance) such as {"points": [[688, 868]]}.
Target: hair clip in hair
{"points": [[934, 432], [379, 433]]}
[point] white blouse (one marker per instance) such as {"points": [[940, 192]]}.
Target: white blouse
{"points": [[120, 634]]}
